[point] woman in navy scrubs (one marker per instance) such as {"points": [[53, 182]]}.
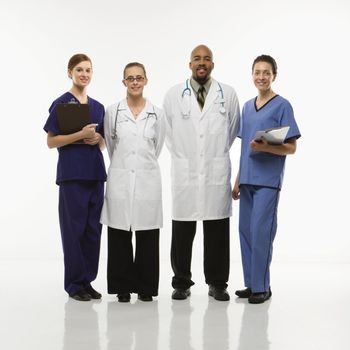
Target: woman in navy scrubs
{"points": [[259, 181], [80, 175]]}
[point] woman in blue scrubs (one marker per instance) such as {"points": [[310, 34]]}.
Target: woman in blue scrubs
{"points": [[260, 176], [80, 175]]}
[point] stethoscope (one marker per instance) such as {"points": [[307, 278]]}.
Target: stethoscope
{"points": [[114, 130], [186, 112]]}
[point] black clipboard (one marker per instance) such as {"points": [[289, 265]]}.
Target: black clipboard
{"points": [[72, 117]]}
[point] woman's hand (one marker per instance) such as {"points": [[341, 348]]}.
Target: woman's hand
{"points": [[235, 191], [259, 146], [289, 147], [94, 140], [89, 131]]}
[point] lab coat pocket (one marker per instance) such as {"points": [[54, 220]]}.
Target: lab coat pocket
{"points": [[117, 183], [221, 171], [218, 122], [148, 185], [180, 172], [149, 131]]}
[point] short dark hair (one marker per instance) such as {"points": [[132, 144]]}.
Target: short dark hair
{"points": [[76, 59], [135, 64], [267, 59]]}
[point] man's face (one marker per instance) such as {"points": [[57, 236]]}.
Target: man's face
{"points": [[201, 64]]}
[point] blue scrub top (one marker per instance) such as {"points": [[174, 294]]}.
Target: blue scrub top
{"points": [[261, 168], [78, 161]]}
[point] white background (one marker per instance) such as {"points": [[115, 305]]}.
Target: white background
{"points": [[308, 38]]}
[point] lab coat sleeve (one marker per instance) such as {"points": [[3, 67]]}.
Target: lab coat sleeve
{"points": [[108, 127], [234, 117], [168, 121], [161, 130]]}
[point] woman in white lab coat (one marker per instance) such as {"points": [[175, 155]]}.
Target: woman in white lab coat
{"points": [[134, 132]]}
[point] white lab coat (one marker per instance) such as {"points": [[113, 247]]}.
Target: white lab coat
{"points": [[199, 143], [133, 197]]}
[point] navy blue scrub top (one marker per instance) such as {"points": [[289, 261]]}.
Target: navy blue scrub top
{"points": [[262, 168], [78, 161]]}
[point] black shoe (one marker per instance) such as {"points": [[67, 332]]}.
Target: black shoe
{"points": [[93, 293], [144, 297], [259, 298], [81, 296], [123, 297], [219, 293], [244, 293], [181, 294]]}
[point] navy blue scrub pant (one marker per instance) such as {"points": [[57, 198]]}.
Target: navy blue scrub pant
{"points": [[80, 204], [126, 274], [216, 252], [257, 230]]}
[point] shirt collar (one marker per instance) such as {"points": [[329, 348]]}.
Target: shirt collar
{"points": [[195, 85]]}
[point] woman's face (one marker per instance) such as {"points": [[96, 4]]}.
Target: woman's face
{"points": [[81, 74], [134, 81], [263, 76]]}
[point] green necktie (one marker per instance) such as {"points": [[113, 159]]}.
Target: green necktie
{"points": [[200, 96]]}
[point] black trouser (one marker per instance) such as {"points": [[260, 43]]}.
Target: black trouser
{"points": [[216, 252], [126, 274]]}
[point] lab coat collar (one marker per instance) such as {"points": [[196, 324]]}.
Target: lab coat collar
{"points": [[123, 105], [146, 111], [125, 110]]}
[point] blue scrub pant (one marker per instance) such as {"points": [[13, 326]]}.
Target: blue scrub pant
{"points": [[257, 230], [80, 204]]}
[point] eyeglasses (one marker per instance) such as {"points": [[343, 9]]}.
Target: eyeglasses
{"points": [[138, 78]]}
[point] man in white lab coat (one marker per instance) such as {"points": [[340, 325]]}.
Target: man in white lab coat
{"points": [[202, 117]]}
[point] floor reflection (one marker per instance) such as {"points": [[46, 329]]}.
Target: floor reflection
{"points": [[81, 328], [216, 326], [180, 326], [132, 325], [254, 327]]}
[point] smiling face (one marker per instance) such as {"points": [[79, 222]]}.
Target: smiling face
{"points": [[134, 80], [201, 64], [81, 74], [263, 76]]}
